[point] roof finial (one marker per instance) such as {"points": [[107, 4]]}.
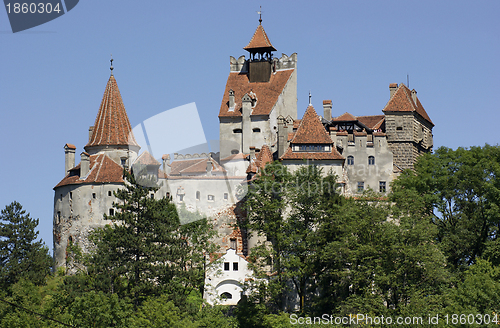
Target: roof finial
{"points": [[260, 15], [310, 98], [111, 68]]}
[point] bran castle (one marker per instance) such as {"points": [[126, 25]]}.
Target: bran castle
{"points": [[258, 124]]}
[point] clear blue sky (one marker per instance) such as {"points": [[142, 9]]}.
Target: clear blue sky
{"points": [[171, 53]]}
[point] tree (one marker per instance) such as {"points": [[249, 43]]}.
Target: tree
{"points": [[145, 251], [284, 210], [460, 190], [21, 255], [265, 205]]}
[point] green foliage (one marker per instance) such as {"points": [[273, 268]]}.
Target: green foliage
{"points": [[459, 190], [21, 256], [146, 251]]}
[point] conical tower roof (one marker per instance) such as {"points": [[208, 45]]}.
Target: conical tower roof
{"points": [[310, 130], [112, 127], [259, 42]]}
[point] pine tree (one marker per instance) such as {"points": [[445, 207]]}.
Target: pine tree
{"points": [[21, 255], [146, 251]]}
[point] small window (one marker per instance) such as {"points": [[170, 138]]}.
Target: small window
{"points": [[58, 217], [226, 196], [235, 266], [226, 266], [70, 195], [111, 211], [371, 160], [382, 186], [123, 161], [235, 151], [94, 195], [256, 130], [181, 197], [61, 197], [167, 194], [198, 195], [226, 296], [152, 196], [110, 193], [233, 243], [361, 186], [350, 160], [211, 198], [237, 131], [399, 128]]}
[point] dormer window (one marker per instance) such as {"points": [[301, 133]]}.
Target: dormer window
{"points": [[314, 148]]}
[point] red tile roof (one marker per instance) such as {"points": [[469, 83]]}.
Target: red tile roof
{"points": [[345, 117], [102, 170], [146, 159], [70, 146], [267, 93], [198, 165], [359, 134], [112, 127], [259, 41], [310, 130], [265, 156], [234, 157], [371, 121], [334, 154], [402, 101]]}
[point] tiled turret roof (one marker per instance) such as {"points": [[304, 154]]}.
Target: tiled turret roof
{"points": [[112, 127], [259, 41], [102, 170], [310, 130], [402, 101]]}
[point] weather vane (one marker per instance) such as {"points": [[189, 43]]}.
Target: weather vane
{"points": [[260, 15], [111, 68], [310, 98]]}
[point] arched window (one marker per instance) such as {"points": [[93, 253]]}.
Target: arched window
{"points": [[235, 151], [226, 296], [371, 160], [350, 160]]}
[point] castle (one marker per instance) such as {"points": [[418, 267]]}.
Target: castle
{"points": [[258, 124]]}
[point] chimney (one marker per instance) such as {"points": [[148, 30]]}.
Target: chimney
{"points": [[333, 134], [392, 88], [91, 130], [231, 99], [209, 166], [414, 96], [246, 109], [252, 152], [327, 110], [84, 164], [69, 157], [282, 136], [166, 163]]}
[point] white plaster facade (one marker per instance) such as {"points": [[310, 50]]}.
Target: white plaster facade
{"points": [[225, 279]]}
